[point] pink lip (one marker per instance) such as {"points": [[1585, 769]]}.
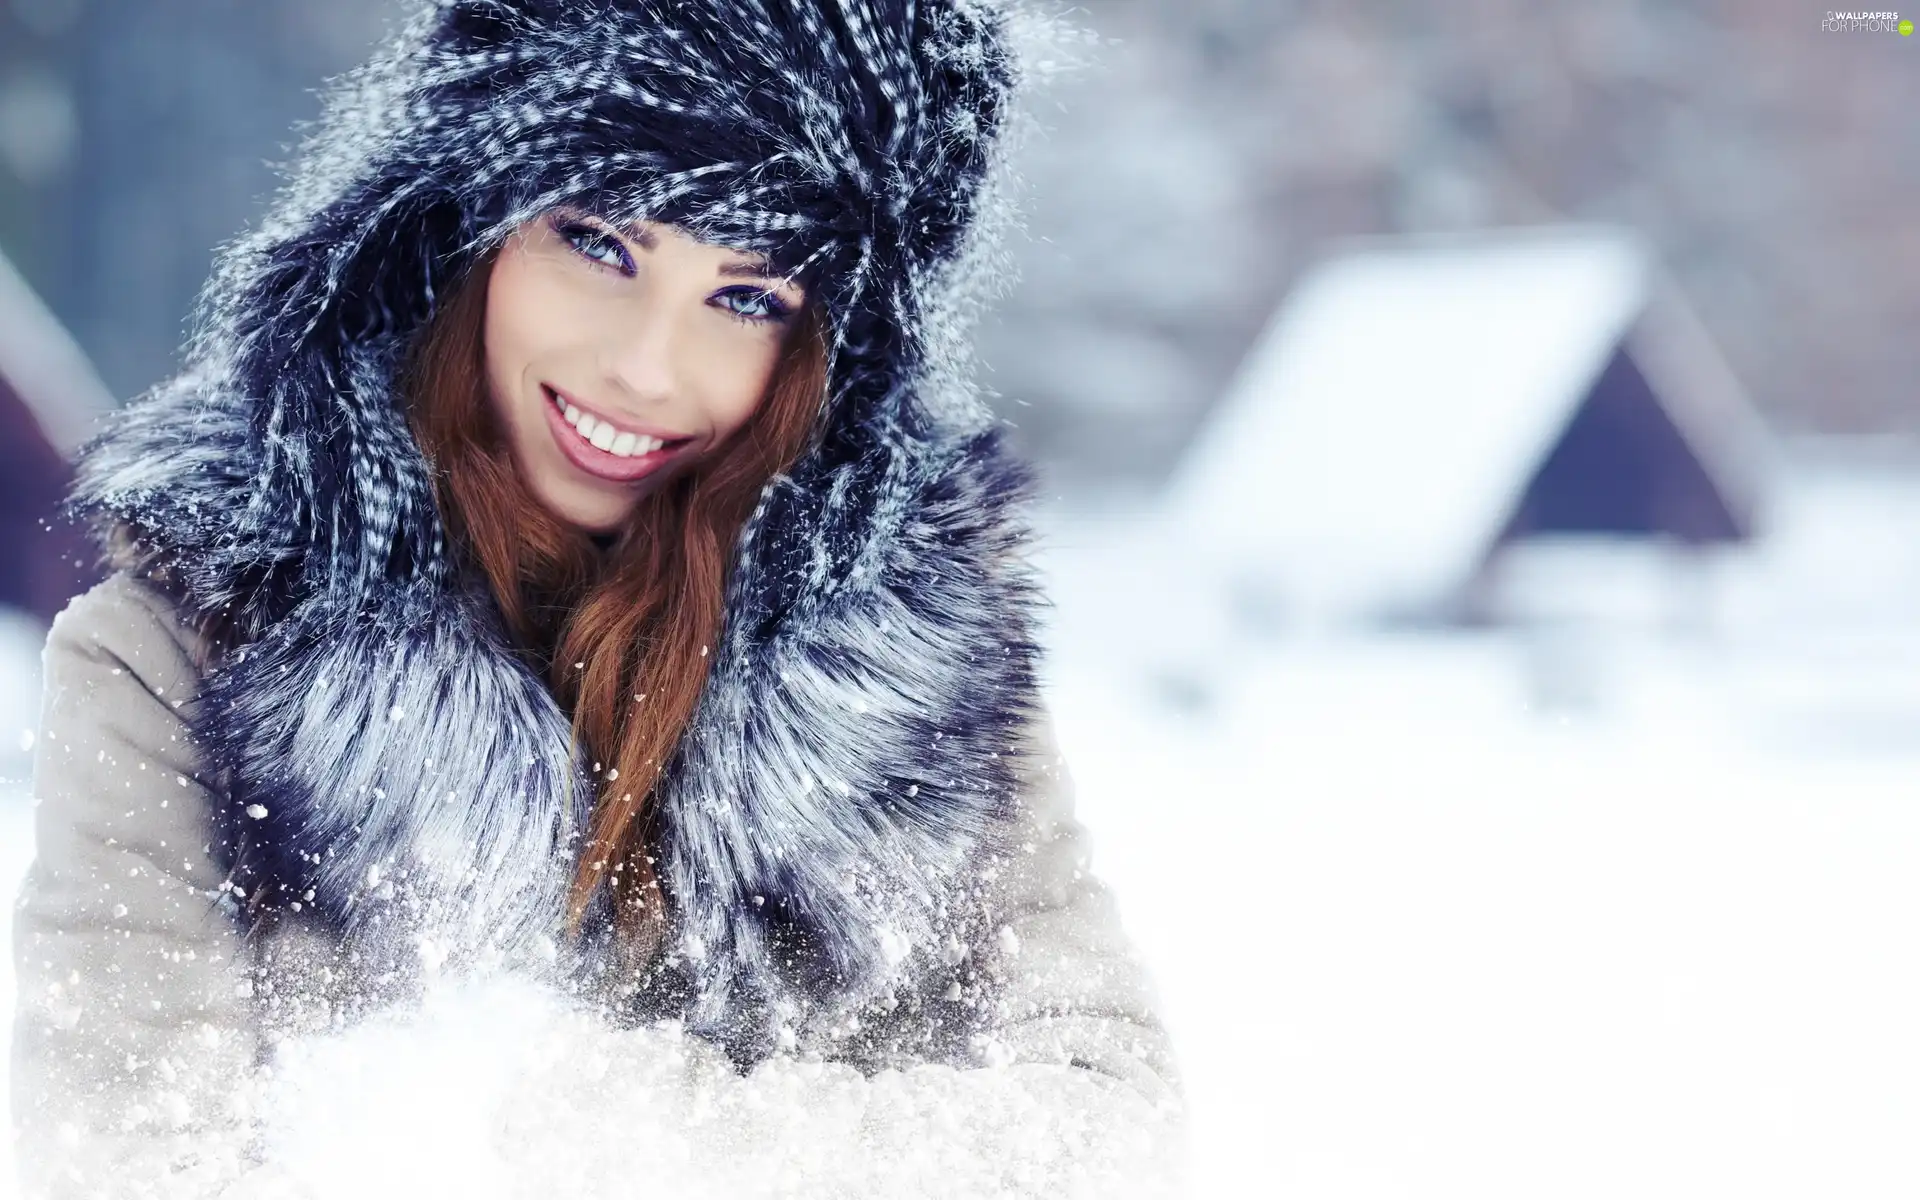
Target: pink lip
{"points": [[603, 464]]}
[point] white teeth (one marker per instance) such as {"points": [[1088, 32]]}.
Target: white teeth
{"points": [[603, 435], [633, 445]]}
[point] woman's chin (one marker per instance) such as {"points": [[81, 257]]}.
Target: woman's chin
{"points": [[587, 508]]}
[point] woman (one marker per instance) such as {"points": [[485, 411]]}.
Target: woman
{"points": [[573, 547]]}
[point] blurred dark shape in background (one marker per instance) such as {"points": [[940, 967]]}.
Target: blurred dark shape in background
{"points": [[49, 400], [1422, 404]]}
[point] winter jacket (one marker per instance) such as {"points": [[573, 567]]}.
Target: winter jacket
{"points": [[868, 845], [144, 1009]]}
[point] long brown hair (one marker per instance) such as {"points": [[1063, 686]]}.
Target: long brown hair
{"points": [[625, 637]]}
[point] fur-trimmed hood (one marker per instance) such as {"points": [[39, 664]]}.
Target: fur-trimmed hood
{"points": [[388, 757]]}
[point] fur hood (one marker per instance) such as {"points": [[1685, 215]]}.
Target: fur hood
{"points": [[387, 759]]}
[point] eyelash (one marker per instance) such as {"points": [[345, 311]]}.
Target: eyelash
{"points": [[576, 234], [583, 238]]}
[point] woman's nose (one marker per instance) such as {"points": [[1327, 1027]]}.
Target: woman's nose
{"points": [[639, 355]]}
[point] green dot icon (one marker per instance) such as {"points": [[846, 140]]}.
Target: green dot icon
{"points": [[1906, 28]]}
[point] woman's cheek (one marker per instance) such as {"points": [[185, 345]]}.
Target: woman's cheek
{"points": [[748, 389]]}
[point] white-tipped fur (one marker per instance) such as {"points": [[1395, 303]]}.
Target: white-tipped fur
{"points": [[848, 768]]}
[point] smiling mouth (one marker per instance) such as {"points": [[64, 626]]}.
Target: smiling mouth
{"points": [[602, 449], [604, 435]]}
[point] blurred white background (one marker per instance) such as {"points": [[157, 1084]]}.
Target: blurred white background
{"points": [[1424, 930]]}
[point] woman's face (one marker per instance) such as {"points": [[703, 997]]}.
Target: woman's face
{"points": [[616, 359]]}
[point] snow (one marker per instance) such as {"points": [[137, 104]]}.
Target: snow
{"points": [[1414, 940], [519, 1096], [1420, 928], [1419, 933]]}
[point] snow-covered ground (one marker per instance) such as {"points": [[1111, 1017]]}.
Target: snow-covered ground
{"points": [[1428, 927], [1415, 942], [1421, 933]]}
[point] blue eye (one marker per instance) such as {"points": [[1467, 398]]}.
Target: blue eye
{"points": [[595, 245], [759, 305]]}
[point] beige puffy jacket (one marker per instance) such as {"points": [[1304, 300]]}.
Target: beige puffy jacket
{"points": [[143, 1016]]}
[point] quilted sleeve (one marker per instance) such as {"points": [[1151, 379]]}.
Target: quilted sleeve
{"points": [[1066, 983], [133, 1034]]}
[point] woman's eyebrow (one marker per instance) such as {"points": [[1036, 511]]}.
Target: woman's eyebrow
{"points": [[755, 268], [748, 268]]}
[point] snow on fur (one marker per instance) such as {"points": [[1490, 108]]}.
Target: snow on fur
{"points": [[848, 765]]}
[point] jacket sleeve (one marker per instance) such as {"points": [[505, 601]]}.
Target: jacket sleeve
{"points": [[1065, 982], [133, 1037]]}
